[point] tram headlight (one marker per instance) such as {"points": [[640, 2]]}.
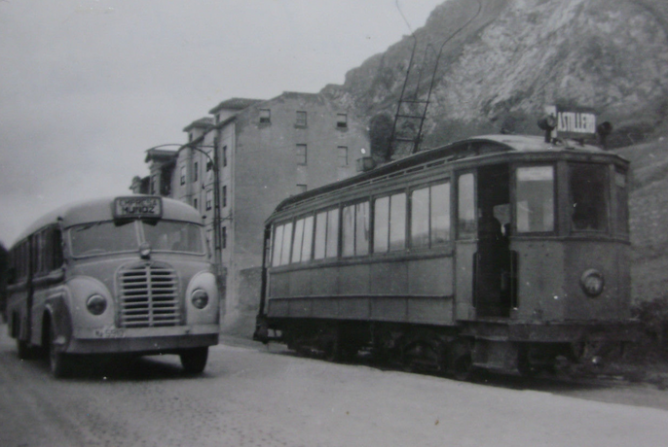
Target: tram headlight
{"points": [[199, 298], [592, 282], [96, 304]]}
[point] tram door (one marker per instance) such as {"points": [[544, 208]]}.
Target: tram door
{"points": [[492, 262]]}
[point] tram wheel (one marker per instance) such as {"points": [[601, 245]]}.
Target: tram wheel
{"points": [[59, 362], [194, 360], [462, 369]]}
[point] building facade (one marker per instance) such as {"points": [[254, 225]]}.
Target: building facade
{"points": [[265, 151]]}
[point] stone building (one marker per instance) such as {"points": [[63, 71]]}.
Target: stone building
{"points": [[266, 151]]}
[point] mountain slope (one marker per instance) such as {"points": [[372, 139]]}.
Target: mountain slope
{"points": [[516, 56]]}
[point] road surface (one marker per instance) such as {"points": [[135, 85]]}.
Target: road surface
{"points": [[250, 395]]}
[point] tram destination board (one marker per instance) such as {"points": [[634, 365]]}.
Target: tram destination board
{"points": [[575, 122], [137, 207]]}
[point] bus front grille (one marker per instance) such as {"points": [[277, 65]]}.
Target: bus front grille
{"points": [[148, 297]]}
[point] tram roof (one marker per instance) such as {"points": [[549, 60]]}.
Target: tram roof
{"points": [[100, 209], [457, 150]]}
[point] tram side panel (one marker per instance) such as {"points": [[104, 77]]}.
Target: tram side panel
{"points": [[612, 262], [419, 291], [542, 294]]}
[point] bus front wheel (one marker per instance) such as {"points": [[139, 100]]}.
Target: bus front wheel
{"points": [[194, 360], [59, 362]]}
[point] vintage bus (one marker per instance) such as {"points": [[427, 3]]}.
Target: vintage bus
{"points": [[502, 252], [125, 275]]}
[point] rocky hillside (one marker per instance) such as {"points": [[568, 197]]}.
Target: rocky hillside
{"points": [[649, 218], [515, 56]]}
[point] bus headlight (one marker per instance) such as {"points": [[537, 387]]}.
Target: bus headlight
{"points": [[592, 282], [96, 304], [199, 298]]}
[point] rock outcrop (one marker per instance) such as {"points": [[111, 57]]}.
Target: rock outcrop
{"points": [[515, 57]]}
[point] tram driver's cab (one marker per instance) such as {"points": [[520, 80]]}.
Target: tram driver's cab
{"points": [[534, 234]]}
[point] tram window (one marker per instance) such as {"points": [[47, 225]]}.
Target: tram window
{"points": [[430, 215], [440, 213], [397, 222], [622, 202], [356, 229], [297, 241], [326, 234], [307, 244], [348, 230], [278, 245], [287, 236], [301, 245], [420, 218], [381, 225], [534, 207], [390, 223], [320, 235], [588, 197], [466, 223], [332, 233]]}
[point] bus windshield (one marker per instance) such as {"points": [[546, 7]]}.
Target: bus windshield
{"points": [[103, 238], [168, 235]]}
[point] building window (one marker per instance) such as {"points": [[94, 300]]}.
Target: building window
{"points": [[209, 199], [265, 116], [300, 189], [224, 156], [209, 166], [301, 119], [300, 153], [224, 196], [195, 171], [183, 175], [343, 156], [341, 121], [223, 237], [195, 204]]}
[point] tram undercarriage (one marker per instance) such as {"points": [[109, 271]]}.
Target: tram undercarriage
{"points": [[457, 351]]}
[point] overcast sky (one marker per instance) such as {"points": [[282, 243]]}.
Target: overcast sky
{"points": [[87, 85]]}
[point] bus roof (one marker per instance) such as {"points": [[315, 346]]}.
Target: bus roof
{"points": [[100, 209], [455, 151]]}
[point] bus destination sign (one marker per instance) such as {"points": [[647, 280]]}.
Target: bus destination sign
{"points": [[573, 123], [135, 207]]}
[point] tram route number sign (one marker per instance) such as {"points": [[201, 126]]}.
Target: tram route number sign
{"points": [[137, 207], [573, 123]]}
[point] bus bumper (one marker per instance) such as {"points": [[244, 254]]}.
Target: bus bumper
{"points": [[142, 341]]}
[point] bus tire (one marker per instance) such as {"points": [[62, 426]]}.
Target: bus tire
{"points": [[59, 362], [24, 350], [194, 360]]}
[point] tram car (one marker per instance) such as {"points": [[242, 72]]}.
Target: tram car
{"points": [[501, 252]]}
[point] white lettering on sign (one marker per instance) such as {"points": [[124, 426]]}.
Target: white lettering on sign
{"points": [[138, 207], [576, 122]]}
